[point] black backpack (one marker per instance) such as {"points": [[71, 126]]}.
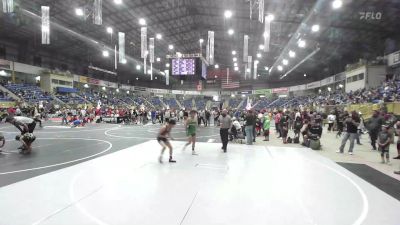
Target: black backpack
{"points": [[296, 140], [289, 140]]}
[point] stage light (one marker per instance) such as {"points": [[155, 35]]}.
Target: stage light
{"points": [[336, 4], [292, 54], [79, 11], [302, 43], [228, 14], [270, 17], [315, 28], [109, 30], [159, 36], [231, 31], [142, 21], [106, 53]]}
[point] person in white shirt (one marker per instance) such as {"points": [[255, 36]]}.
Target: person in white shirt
{"points": [[331, 121], [24, 124]]}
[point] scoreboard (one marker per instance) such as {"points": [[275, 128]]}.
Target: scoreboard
{"points": [[183, 66]]}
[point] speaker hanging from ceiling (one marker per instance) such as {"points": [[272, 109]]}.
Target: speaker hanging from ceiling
{"points": [[151, 52], [121, 47], [210, 48], [245, 47], [267, 33]]}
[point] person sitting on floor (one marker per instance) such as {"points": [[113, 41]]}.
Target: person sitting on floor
{"points": [[26, 139]]}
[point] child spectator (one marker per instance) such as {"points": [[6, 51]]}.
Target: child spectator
{"points": [[384, 139]]}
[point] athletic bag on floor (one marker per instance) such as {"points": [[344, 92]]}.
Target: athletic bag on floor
{"points": [[315, 144], [289, 140], [296, 140]]}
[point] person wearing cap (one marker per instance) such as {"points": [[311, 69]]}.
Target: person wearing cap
{"points": [[225, 123]]}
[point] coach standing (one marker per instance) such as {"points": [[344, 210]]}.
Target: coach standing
{"points": [[225, 122]]}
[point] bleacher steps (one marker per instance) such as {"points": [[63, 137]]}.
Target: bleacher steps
{"points": [[10, 94]]}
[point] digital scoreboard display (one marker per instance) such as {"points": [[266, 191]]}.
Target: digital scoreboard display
{"points": [[182, 67]]}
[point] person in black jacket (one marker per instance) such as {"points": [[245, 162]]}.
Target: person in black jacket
{"points": [[374, 127]]}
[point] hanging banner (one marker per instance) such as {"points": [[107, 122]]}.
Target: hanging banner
{"points": [[45, 25], [121, 44], [8, 6], [151, 49], [267, 33], [280, 90], [143, 43], [249, 64], [210, 48], [98, 12], [245, 48], [166, 77], [261, 11], [255, 69]]}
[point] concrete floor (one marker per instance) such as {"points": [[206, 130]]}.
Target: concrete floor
{"points": [[59, 184]]}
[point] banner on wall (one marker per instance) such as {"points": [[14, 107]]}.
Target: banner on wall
{"points": [[178, 92], [327, 81], [83, 79], [262, 91], [315, 84], [280, 90], [5, 64], [93, 81]]}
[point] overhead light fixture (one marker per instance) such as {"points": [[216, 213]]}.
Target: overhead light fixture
{"points": [[266, 68], [37, 78], [201, 40], [118, 2], [256, 61], [104, 88], [86, 85], [127, 92], [265, 34], [170, 47], [142, 21], [228, 14], [149, 72], [167, 65], [236, 68], [216, 66], [79, 11], [137, 78], [235, 64], [138, 67], [158, 59], [106, 53], [179, 55], [315, 28], [292, 54], [231, 31], [258, 76], [232, 95], [336, 4], [123, 61], [285, 62], [109, 30], [3, 73], [117, 90], [234, 59], [261, 47], [258, 55], [233, 52], [280, 68], [302, 43], [305, 75], [248, 70], [270, 17], [159, 36]]}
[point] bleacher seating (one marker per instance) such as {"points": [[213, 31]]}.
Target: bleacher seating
{"points": [[234, 103], [171, 103], [29, 92], [200, 104], [67, 99], [187, 103]]}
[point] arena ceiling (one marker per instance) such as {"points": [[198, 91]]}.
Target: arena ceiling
{"points": [[344, 35]]}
